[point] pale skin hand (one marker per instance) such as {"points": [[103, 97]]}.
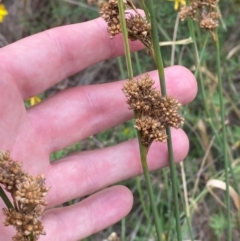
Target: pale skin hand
{"points": [[30, 66]]}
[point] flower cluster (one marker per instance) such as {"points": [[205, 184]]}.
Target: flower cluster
{"points": [[137, 26], [204, 12], [154, 111], [113, 237], [139, 29], [25, 224], [110, 13], [28, 194]]}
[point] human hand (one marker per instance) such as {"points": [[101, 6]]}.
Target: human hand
{"points": [[30, 66]]}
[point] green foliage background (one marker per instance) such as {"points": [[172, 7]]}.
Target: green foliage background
{"points": [[207, 216]]}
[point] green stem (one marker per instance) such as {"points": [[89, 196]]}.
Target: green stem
{"points": [[224, 137], [123, 229], [140, 193], [5, 199], [143, 151], [160, 67], [185, 201], [32, 238], [139, 68], [174, 183], [120, 66], [157, 54], [174, 39], [125, 38], [235, 182], [199, 74], [199, 61], [202, 90]]}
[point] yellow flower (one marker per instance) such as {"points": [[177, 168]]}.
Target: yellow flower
{"points": [[34, 100], [126, 131], [3, 12], [178, 3]]}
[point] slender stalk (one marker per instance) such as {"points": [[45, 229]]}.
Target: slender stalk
{"points": [[224, 137], [120, 66], [174, 39], [139, 68], [140, 193], [197, 61], [143, 151], [32, 238], [186, 201], [201, 54], [200, 82], [125, 38], [5, 199], [235, 182], [174, 184], [123, 229], [160, 67], [156, 49]]}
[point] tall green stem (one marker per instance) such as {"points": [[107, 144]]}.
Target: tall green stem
{"points": [[140, 193], [160, 67], [143, 151], [224, 137], [5, 199], [157, 223], [199, 75], [123, 229], [125, 39], [197, 63]]}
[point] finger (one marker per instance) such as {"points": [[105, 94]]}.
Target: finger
{"points": [[81, 112], [39, 61], [89, 216], [83, 172], [12, 114]]}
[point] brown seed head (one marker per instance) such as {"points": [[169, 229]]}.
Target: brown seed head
{"points": [[110, 13], [154, 111], [137, 26], [204, 12], [139, 29], [28, 193]]}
